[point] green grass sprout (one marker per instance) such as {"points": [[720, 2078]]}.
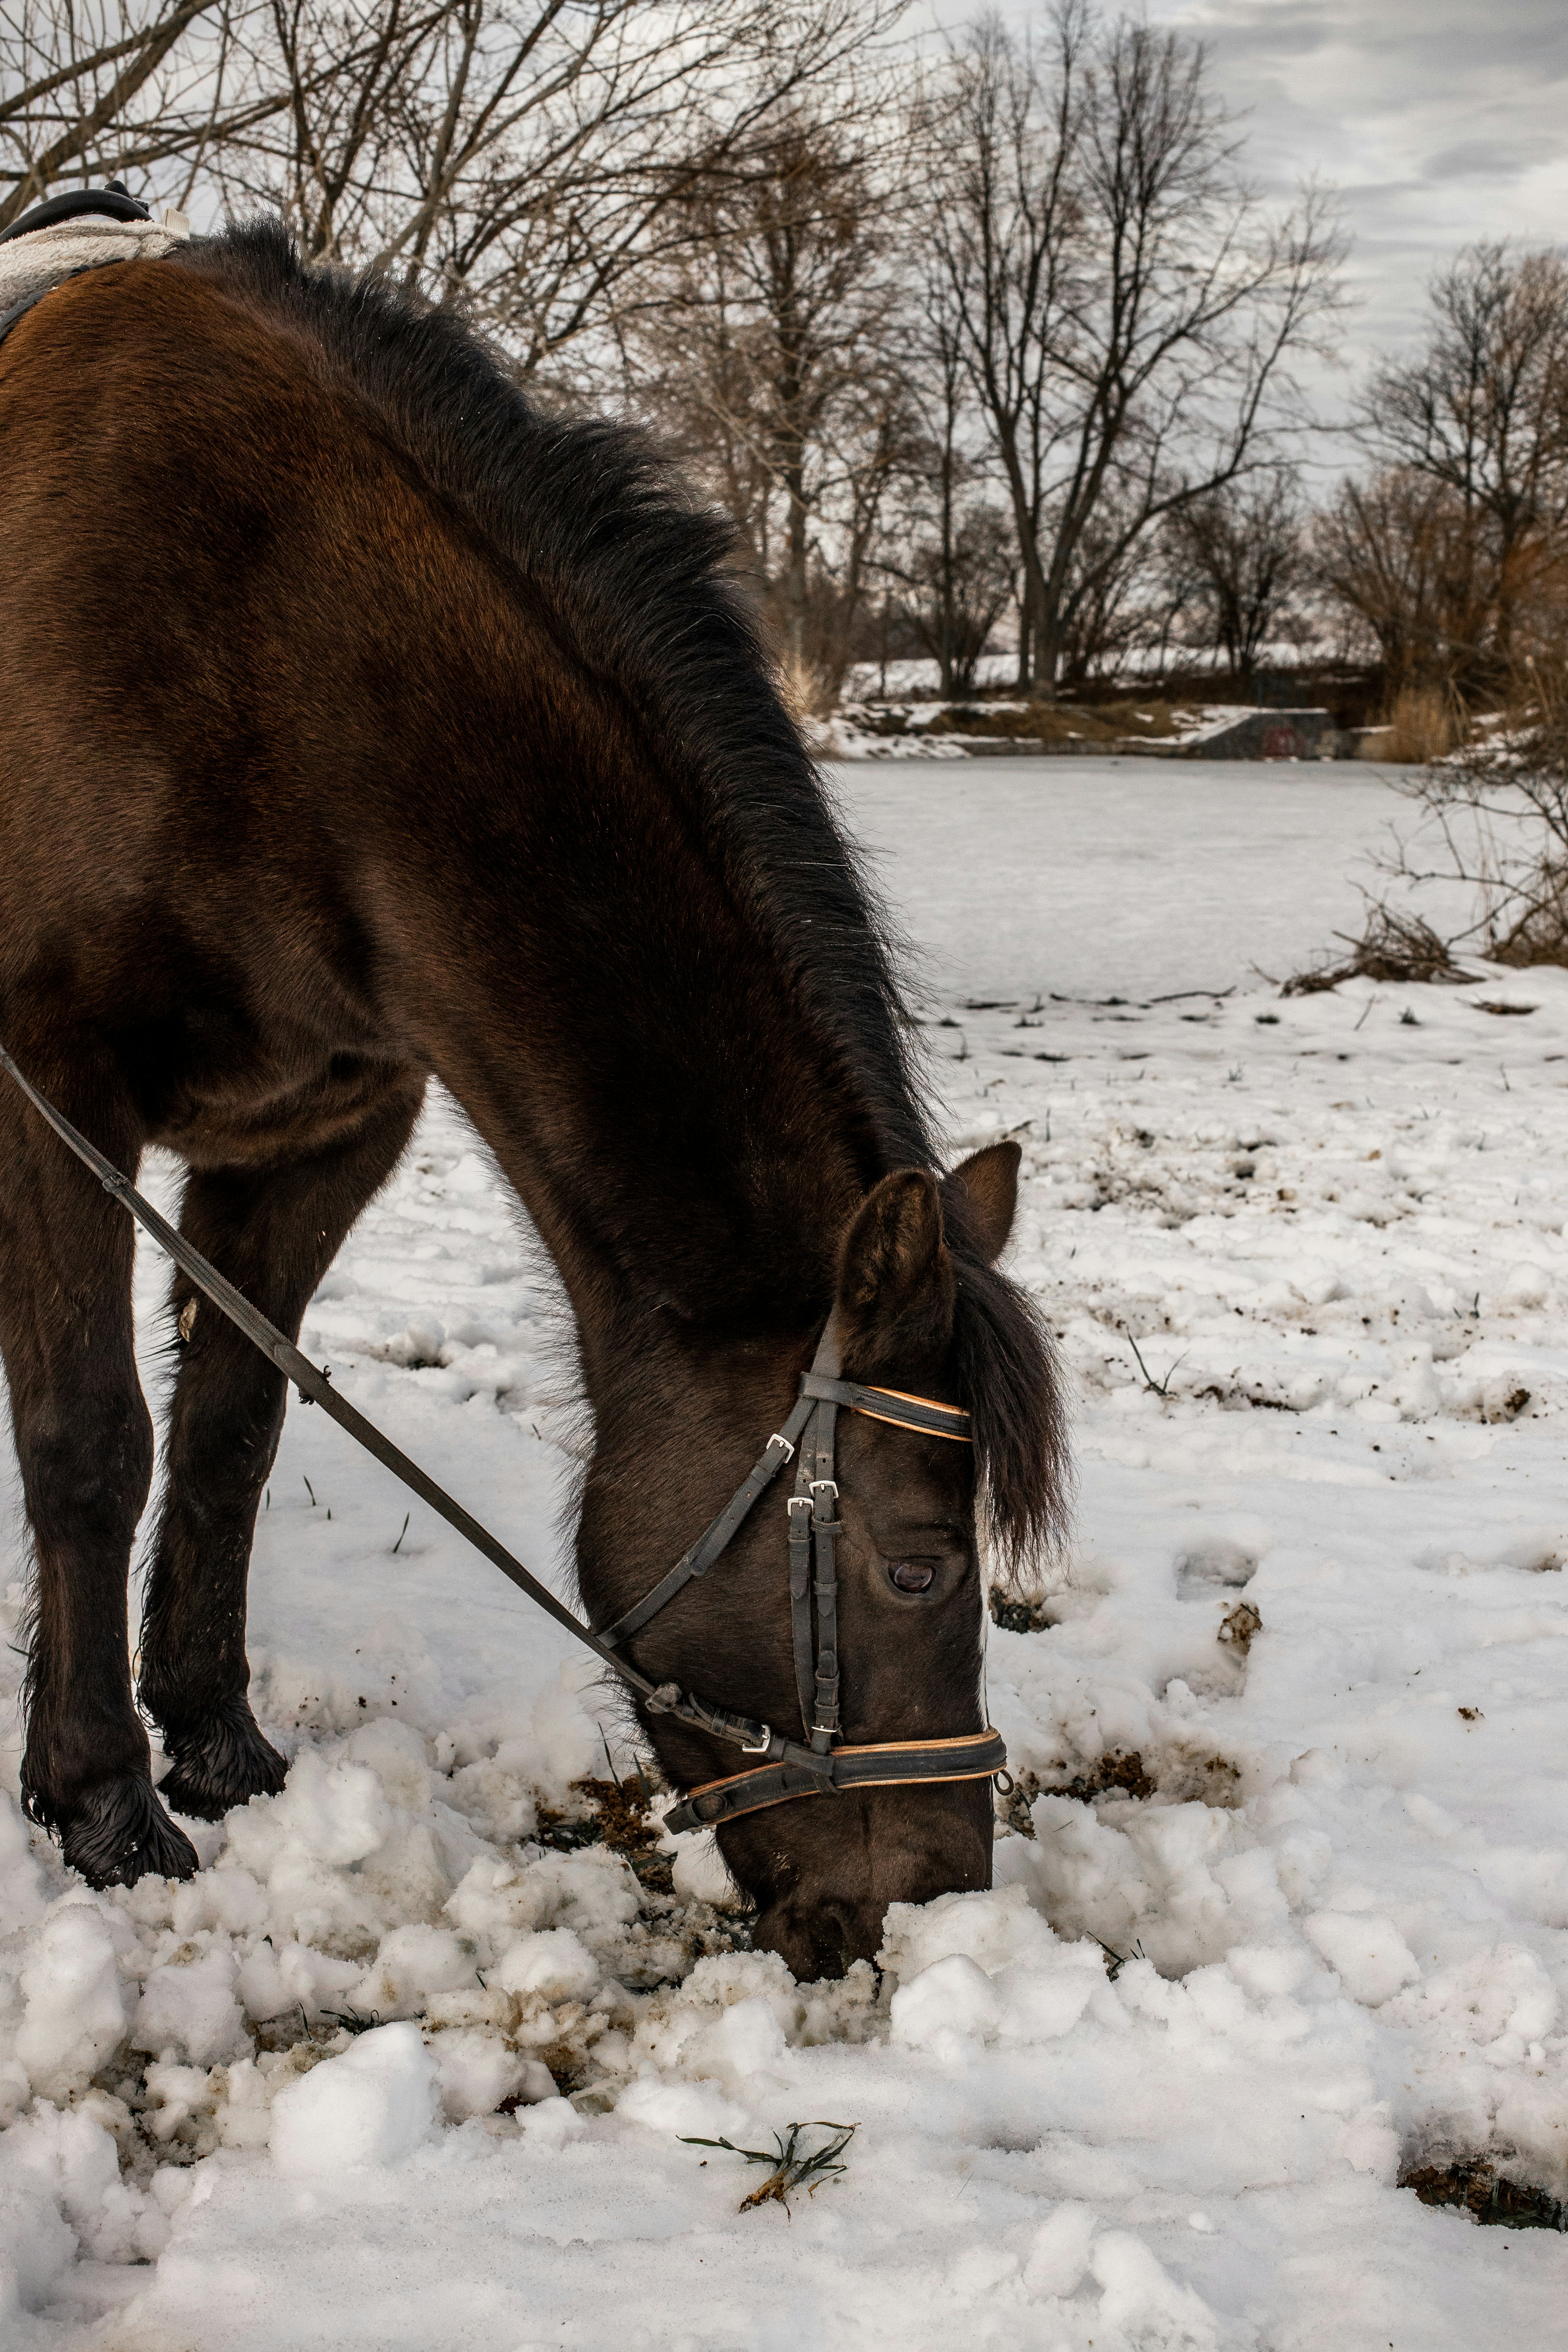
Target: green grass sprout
{"points": [[792, 2167]]}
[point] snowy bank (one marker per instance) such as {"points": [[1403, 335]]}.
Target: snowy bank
{"points": [[1281, 1908]]}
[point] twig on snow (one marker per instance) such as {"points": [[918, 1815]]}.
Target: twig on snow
{"points": [[1156, 1388]]}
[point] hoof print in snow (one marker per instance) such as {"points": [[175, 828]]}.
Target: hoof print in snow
{"points": [[1217, 1566], [1474, 2184]]}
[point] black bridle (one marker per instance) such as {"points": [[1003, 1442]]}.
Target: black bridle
{"points": [[787, 1768], [806, 1439]]}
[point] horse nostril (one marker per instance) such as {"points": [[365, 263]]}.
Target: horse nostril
{"points": [[911, 1575]]}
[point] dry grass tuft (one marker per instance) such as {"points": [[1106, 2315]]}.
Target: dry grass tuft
{"points": [[1424, 724], [1540, 935], [1394, 947], [808, 691]]}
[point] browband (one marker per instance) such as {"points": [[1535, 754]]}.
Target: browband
{"points": [[976, 1756], [904, 1411]]}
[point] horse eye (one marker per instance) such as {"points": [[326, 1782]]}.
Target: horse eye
{"points": [[911, 1575]]}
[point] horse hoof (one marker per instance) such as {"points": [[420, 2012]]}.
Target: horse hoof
{"points": [[224, 1763], [119, 1833]]}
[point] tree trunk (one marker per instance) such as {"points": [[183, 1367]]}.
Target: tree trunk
{"points": [[795, 563], [947, 631]]}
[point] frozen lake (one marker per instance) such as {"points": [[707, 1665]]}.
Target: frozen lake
{"points": [[1117, 876]]}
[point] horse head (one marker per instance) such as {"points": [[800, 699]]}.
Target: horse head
{"points": [[918, 1311]]}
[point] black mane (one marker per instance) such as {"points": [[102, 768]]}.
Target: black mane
{"points": [[588, 511]]}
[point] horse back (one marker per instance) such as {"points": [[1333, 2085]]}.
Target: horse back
{"points": [[240, 641]]}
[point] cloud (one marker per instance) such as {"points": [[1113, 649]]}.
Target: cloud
{"points": [[1440, 121], [1500, 160]]}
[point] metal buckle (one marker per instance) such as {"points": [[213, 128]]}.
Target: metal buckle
{"points": [[788, 1449], [801, 1502], [763, 1745], [831, 1485]]}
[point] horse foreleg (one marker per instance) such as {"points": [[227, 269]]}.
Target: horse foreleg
{"points": [[273, 1232], [84, 1442]]}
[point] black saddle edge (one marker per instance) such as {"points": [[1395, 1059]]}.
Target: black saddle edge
{"points": [[71, 205]]}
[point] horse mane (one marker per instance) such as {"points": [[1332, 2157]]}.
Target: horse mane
{"points": [[642, 578], [597, 522], [1005, 1367]]}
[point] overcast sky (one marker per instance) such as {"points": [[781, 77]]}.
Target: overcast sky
{"points": [[1437, 120]]}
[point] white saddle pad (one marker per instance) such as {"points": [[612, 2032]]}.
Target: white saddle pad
{"points": [[30, 266]]}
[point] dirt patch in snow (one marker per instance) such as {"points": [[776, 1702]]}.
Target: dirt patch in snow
{"points": [[1474, 2184]]}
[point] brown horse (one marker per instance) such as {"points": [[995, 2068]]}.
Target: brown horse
{"points": [[357, 722]]}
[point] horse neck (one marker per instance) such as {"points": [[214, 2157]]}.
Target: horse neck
{"points": [[687, 1132]]}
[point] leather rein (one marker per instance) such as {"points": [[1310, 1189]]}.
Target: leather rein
{"points": [[819, 1765]]}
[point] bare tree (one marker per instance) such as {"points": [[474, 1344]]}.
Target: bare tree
{"points": [[768, 356], [1131, 312], [93, 87], [1480, 417], [1240, 557], [946, 545], [529, 157], [1401, 555], [1114, 603]]}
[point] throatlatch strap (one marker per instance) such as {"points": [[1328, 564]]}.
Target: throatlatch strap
{"points": [[891, 1764]]}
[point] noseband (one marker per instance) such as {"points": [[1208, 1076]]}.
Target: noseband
{"points": [[823, 1768]]}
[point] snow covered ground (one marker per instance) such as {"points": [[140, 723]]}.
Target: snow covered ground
{"points": [[1282, 1904], [1100, 877]]}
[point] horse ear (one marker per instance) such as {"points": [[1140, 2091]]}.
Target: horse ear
{"points": [[895, 1278], [989, 1181]]}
